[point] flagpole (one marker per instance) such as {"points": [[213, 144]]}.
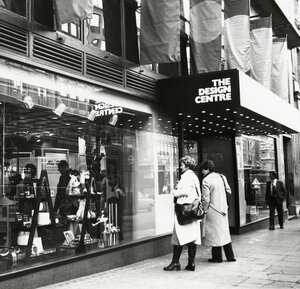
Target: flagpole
{"points": [[123, 31], [223, 60]]}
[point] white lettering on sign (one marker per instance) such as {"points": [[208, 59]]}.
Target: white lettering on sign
{"points": [[220, 91], [103, 109]]}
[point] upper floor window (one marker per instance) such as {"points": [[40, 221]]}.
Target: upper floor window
{"points": [[71, 29], [43, 12], [95, 27], [16, 6]]}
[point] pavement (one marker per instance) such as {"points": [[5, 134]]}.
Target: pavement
{"points": [[265, 259]]}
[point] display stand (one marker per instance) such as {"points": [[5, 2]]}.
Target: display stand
{"points": [[43, 193], [81, 248]]}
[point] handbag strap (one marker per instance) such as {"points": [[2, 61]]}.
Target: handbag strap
{"points": [[220, 212], [223, 182], [225, 189]]}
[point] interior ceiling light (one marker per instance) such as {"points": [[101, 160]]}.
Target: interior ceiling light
{"points": [[113, 120], [60, 109], [28, 102], [92, 115]]}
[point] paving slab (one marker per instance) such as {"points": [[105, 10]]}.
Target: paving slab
{"points": [[265, 259]]}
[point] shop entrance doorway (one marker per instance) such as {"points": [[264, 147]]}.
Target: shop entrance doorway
{"points": [[221, 152]]}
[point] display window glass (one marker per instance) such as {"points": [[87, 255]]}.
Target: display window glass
{"points": [[78, 175], [255, 159]]}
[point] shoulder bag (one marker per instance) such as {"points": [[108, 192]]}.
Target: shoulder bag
{"points": [[188, 213]]}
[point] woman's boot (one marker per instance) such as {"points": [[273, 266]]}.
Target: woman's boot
{"points": [[175, 265], [191, 253]]}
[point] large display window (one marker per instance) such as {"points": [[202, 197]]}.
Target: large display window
{"points": [[79, 175], [255, 159]]}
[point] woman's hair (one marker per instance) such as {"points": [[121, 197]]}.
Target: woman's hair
{"points": [[32, 169], [188, 162], [207, 165]]}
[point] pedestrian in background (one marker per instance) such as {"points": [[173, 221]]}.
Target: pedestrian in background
{"points": [[187, 190], [275, 195], [217, 235]]}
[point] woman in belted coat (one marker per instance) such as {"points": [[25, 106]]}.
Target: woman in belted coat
{"points": [[187, 190], [217, 235]]}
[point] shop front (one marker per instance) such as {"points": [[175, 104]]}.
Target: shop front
{"points": [[243, 127], [86, 174]]}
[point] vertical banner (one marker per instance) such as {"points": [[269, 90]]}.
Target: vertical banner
{"points": [[205, 21], [160, 31], [237, 34], [68, 11], [261, 50], [280, 82]]}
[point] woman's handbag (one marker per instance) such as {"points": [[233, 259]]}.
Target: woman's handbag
{"points": [[188, 213]]}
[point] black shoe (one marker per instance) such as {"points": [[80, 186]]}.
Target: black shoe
{"points": [[281, 227], [231, 260], [271, 228], [172, 267], [214, 261], [190, 267]]}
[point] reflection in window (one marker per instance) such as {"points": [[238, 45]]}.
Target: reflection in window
{"points": [[255, 158], [72, 29], [95, 36]]}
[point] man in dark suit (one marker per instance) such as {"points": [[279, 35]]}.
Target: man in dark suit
{"points": [[275, 195]]}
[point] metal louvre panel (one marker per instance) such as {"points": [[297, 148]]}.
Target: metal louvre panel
{"points": [[57, 54], [13, 39], [103, 70], [140, 82]]}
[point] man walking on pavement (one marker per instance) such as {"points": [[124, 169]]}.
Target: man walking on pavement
{"points": [[275, 195]]}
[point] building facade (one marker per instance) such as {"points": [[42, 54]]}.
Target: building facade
{"points": [[75, 94]]}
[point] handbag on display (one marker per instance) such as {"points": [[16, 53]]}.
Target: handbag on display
{"points": [[188, 213]]}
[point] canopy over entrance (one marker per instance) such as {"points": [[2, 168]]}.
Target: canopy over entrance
{"points": [[225, 103]]}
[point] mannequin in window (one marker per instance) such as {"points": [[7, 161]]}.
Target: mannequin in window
{"points": [[115, 194]]}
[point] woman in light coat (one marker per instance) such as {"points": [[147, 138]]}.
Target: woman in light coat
{"points": [[217, 235], [187, 190]]}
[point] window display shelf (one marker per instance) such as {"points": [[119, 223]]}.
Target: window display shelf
{"points": [[92, 242], [81, 220], [34, 243], [28, 229], [77, 196]]}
